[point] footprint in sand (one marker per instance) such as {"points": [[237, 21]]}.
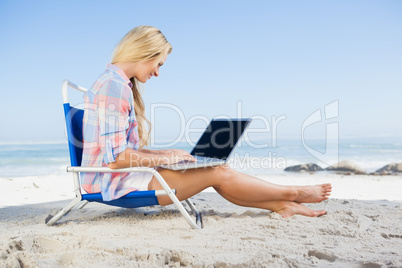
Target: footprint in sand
{"points": [[321, 255], [46, 245], [388, 236], [16, 256]]}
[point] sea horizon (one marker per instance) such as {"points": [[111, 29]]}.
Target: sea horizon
{"points": [[33, 158]]}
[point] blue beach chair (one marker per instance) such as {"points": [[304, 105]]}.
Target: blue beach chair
{"points": [[73, 117]]}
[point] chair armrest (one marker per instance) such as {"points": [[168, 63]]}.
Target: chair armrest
{"points": [[109, 170]]}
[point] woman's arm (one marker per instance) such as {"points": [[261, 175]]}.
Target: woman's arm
{"points": [[159, 152], [147, 158]]}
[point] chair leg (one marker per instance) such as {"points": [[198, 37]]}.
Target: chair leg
{"points": [[183, 211], [53, 219], [175, 201], [83, 204], [198, 216]]}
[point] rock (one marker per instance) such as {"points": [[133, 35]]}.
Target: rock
{"points": [[304, 167], [394, 168], [346, 167]]}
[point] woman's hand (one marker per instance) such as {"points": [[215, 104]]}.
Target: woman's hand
{"points": [[173, 156], [149, 158]]}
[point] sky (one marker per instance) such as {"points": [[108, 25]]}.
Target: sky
{"points": [[278, 62]]}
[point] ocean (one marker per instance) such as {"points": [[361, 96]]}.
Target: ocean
{"points": [[38, 159]]}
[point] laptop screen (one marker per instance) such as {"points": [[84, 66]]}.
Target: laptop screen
{"points": [[220, 137]]}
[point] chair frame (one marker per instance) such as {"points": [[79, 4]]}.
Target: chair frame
{"points": [[85, 198]]}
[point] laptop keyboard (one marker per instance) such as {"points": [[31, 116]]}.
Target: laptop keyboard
{"points": [[202, 159]]}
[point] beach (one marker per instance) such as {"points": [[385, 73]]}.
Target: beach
{"points": [[361, 228], [317, 84]]}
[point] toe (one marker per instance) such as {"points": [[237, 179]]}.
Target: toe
{"points": [[321, 213]]}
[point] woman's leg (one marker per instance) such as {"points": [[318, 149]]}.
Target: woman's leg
{"points": [[238, 188], [284, 208]]}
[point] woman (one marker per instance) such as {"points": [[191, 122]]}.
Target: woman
{"points": [[115, 134]]}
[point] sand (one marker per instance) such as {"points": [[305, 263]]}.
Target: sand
{"points": [[361, 229]]}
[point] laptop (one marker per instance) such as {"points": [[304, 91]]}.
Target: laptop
{"points": [[215, 144]]}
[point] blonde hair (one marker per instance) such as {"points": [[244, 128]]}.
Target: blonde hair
{"points": [[143, 43]]}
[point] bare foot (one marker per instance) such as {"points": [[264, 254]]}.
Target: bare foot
{"points": [[313, 194], [292, 208]]}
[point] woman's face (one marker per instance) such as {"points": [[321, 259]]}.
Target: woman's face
{"points": [[145, 70]]}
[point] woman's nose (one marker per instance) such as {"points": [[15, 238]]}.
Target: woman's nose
{"points": [[156, 73]]}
